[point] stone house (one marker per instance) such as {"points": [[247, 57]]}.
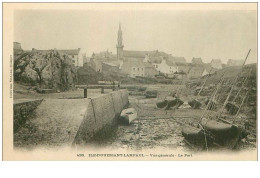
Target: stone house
{"points": [[144, 69], [196, 72], [197, 61], [216, 63]]}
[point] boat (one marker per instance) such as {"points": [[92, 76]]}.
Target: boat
{"points": [[142, 88], [151, 94], [176, 103], [226, 135], [232, 108], [211, 104], [193, 135], [162, 104], [195, 104], [128, 115]]}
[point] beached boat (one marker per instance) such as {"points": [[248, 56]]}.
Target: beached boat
{"points": [[226, 135], [232, 108], [193, 135], [128, 115], [175, 104], [151, 94], [162, 104], [195, 104]]}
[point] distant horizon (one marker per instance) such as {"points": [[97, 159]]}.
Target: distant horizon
{"points": [[207, 35]]}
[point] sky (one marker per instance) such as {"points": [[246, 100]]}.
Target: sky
{"points": [[212, 34]]}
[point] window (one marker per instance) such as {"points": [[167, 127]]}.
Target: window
{"points": [[73, 61], [138, 69], [72, 56], [133, 68]]}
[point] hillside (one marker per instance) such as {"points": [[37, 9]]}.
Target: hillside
{"points": [[232, 72]]}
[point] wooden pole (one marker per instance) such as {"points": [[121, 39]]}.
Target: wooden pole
{"points": [[222, 109], [242, 85], [242, 103], [85, 92], [205, 82]]}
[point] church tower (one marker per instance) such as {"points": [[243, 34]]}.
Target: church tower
{"points": [[119, 45]]}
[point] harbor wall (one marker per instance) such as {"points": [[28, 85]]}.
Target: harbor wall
{"points": [[101, 117]]}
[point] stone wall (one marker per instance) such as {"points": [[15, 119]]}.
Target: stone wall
{"points": [[101, 117], [22, 109]]}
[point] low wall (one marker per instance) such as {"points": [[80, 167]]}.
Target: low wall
{"points": [[22, 109], [101, 116]]}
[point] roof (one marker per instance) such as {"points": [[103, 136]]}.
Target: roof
{"points": [[170, 62], [142, 54], [197, 60], [135, 54], [197, 69], [69, 51], [156, 60], [178, 59], [112, 63], [128, 64], [216, 61], [210, 69], [158, 53]]}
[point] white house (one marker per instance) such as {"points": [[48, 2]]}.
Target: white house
{"points": [[166, 67], [75, 55], [143, 69]]}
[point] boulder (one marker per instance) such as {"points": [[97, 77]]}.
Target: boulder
{"points": [[48, 69]]}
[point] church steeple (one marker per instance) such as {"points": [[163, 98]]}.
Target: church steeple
{"points": [[119, 45]]}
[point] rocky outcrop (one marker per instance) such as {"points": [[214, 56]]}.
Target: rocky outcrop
{"points": [[46, 69]]}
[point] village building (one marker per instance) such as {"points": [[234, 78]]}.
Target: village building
{"points": [[145, 69], [184, 68], [17, 49], [166, 67], [234, 62], [216, 63], [75, 55], [136, 67], [85, 58], [177, 60], [17, 46], [196, 72], [197, 61], [103, 59]]}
